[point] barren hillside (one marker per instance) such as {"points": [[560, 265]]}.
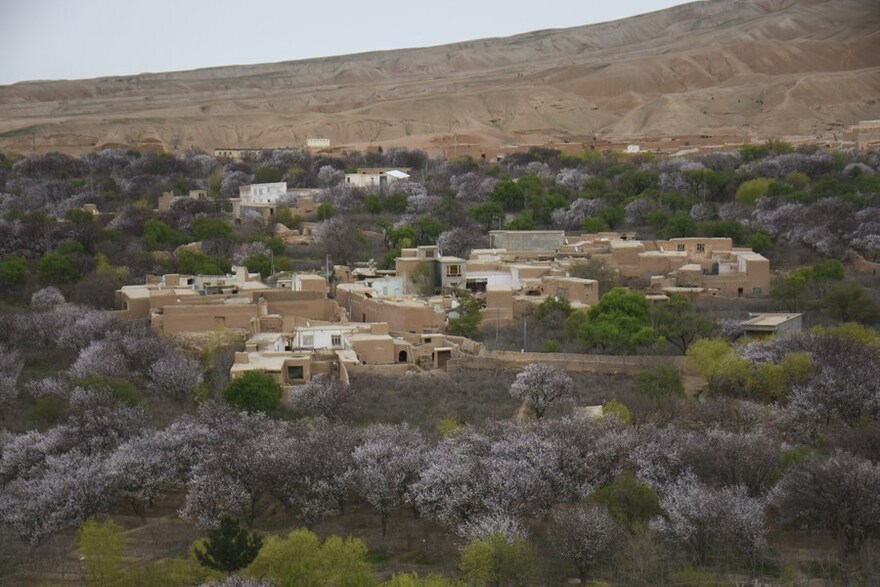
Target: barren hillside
{"points": [[731, 68]]}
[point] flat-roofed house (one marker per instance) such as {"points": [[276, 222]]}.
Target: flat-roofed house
{"points": [[376, 177]]}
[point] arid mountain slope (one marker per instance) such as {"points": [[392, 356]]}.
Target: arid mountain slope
{"points": [[735, 68]]}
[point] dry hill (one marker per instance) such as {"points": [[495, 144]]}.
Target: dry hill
{"points": [[727, 68]]}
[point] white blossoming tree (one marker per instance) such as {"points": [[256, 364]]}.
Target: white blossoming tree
{"points": [[538, 385]]}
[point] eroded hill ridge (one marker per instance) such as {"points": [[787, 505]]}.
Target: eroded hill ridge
{"points": [[732, 69]]}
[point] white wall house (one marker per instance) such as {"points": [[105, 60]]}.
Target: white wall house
{"points": [[375, 177], [262, 193], [322, 337]]}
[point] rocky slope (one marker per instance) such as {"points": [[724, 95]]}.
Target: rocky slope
{"points": [[727, 68]]}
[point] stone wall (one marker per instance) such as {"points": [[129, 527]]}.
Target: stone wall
{"points": [[611, 364]]}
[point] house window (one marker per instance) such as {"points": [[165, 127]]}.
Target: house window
{"points": [[701, 248], [294, 372], [336, 340], [453, 271], [429, 254], [757, 291], [680, 248], [308, 340]]}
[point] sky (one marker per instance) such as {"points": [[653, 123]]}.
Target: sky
{"points": [[76, 39]]}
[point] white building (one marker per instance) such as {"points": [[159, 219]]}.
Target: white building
{"points": [[318, 143], [262, 193], [375, 177]]}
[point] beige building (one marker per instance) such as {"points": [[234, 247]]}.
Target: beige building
{"points": [[442, 272], [712, 265], [767, 325], [402, 313], [184, 303], [342, 350], [526, 240], [167, 199]]}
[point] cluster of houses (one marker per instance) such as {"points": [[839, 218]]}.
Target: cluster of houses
{"points": [[263, 199], [366, 320]]}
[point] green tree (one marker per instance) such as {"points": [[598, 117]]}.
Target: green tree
{"points": [[46, 411], [726, 372], [158, 234], [554, 309], [267, 175], [261, 264], [469, 317], [676, 321], [194, 262], [852, 331], [521, 222], [254, 391], [79, 216], [301, 559], [680, 225], [101, 546], [14, 271], [414, 580], [324, 211], [660, 382], [489, 214], [497, 561], [749, 191], [426, 229], [509, 195], [617, 409], [210, 228], [228, 547], [629, 502], [55, 267], [593, 224], [760, 242], [851, 302], [287, 218], [551, 346], [395, 203], [806, 286], [620, 322]]}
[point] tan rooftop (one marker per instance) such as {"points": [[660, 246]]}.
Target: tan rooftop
{"points": [[770, 320]]}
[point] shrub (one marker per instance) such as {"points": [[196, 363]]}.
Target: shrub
{"points": [[254, 392]]}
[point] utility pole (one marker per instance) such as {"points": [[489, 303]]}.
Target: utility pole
{"points": [[525, 333]]}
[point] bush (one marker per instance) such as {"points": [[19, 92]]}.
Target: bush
{"points": [[495, 561], [57, 268], [660, 382], [254, 392], [14, 271], [46, 411]]}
